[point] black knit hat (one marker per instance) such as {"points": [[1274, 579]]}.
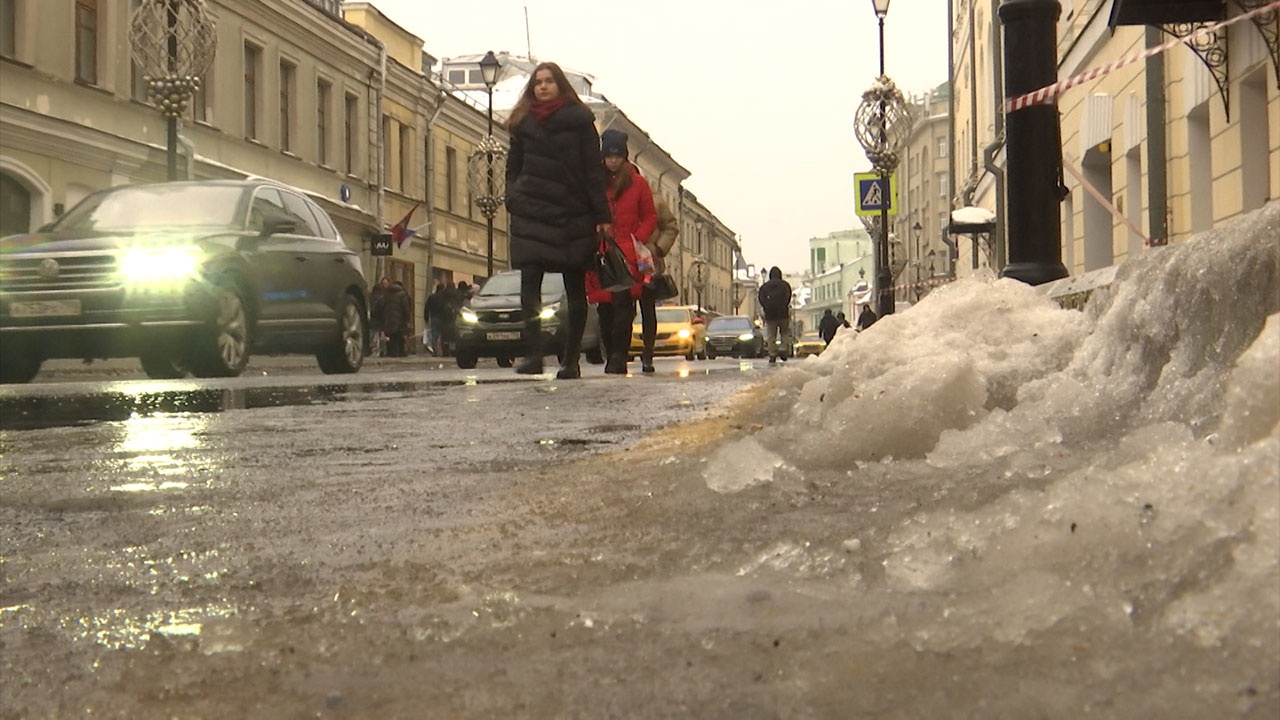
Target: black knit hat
{"points": [[613, 142]]}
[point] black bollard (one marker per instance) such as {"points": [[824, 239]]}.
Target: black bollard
{"points": [[1033, 143]]}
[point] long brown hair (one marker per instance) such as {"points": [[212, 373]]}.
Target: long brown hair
{"points": [[526, 96], [618, 182]]}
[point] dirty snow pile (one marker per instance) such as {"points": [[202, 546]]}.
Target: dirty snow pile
{"points": [[1150, 421]]}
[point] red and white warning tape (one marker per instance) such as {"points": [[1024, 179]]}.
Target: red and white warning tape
{"points": [[1049, 93]]}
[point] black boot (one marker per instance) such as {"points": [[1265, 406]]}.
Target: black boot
{"points": [[532, 336], [569, 369], [616, 365]]}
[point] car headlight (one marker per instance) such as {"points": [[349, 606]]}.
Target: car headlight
{"points": [[549, 311], [684, 334], [153, 267], [469, 316], [745, 337]]}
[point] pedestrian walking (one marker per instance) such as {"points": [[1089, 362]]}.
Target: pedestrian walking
{"points": [[634, 220], [557, 204], [437, 312], [377, 338], [659, 244], [844, 321], [775, 299], [394, 309], [827, 326], [866, 318]]}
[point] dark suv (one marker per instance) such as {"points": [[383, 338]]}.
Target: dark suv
{"points": [[490, 323], [186, 276], [734, 335]]}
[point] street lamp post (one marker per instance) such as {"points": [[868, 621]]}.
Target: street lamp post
{"points": [[173, 42], [881, 124], [488, 162], [916, 231]]}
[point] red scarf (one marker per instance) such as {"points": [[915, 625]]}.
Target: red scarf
{"points": [[543, 110]]}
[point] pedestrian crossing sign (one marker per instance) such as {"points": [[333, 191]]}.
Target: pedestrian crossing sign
{"points": [[872, 195]]}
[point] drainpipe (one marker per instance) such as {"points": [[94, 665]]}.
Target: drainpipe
{"points": [[430, 189], [989, 152], [378, 88], [951, 133], [189, 147], [1157, 147]]}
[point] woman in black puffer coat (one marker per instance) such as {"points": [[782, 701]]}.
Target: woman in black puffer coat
{"points": [[556, 200]]}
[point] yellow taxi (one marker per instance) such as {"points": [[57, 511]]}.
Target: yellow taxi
{"points": [[681, 331], [810, 343]]}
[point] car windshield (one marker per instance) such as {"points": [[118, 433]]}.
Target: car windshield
{"points": [[508, 283], [729, 324], [672, 315], [144, 207]]}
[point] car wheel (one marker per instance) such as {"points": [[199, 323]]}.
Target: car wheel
{"points": [[506, 361], [19, 365], [221, 348], [466, 359], [163, 364], [346, 354], [711, 354]]}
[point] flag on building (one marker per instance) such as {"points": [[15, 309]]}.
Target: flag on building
{"points": [[401, 232]]}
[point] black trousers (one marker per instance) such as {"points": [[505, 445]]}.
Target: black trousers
{"points": [[615, 323], [575, 298], [648, 323]]}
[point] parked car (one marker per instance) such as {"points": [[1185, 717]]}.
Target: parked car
{"points": [[734, 335], [810, 343], [681, 331], [186, 276], [490, 323]]}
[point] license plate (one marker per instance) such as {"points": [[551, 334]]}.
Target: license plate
{"points": [[44, 308], [511, 335]]}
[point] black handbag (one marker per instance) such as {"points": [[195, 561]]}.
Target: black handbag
{"points": [[610, 266], [663, 287]]}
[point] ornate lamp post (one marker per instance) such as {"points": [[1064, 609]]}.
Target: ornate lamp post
{"points": [[488, 161], [698, 277], [173, 42], [881, 125]]}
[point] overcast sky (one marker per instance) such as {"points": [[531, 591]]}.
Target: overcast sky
{"points": [[755, 98]]}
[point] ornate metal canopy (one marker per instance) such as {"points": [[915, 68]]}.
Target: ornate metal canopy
{"points": [[487, 175], [882, 123], [173, 41]]}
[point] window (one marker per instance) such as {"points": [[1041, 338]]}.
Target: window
{"points": [[288, 72], [475, 77], [942, 184], [386, 150], [300, 210], [323, 91], [9, 28], [199, 111], [450, 180], [252, 60], [87, 41], [406, 159], [457, 77], [350, 108], [942, 147], [15, 206]]}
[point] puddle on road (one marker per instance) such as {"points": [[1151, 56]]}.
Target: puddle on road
{"points": [[37, 412]]}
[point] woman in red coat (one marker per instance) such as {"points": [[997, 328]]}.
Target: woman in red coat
{"points": [[634, 216]]}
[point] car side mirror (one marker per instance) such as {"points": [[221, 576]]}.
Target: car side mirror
{"points": [[699, 321], [277, 223]]}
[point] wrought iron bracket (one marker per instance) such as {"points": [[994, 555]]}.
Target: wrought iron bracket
{"points": [[1268, 23], [1211, 48]]}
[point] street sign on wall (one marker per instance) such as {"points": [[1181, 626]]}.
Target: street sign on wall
{"points": [[872, 195]]}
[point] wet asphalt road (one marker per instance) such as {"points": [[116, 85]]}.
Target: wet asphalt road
{"points": [[287, 544]]}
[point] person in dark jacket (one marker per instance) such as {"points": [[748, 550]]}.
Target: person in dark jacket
{"points": [[866, 318], [438, 312], [556, 200], [634, 220], [827, 326], [395, 310], [775, 301]]}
